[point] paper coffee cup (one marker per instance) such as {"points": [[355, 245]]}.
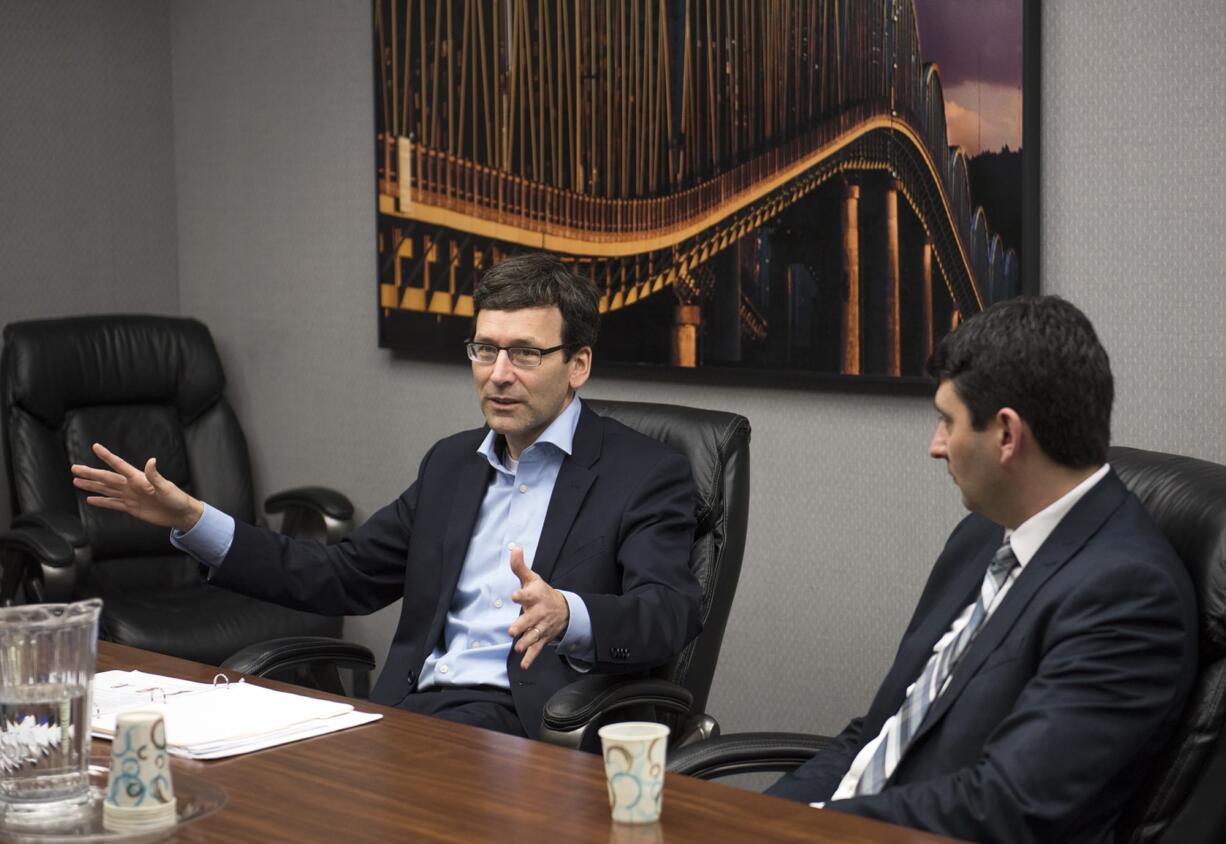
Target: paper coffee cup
{"points": [[139, 791], [634, 754]]}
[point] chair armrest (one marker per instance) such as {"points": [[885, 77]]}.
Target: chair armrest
{"points": [[314, 660], [41, 560], [68, 528], [572, 710], [314, 512], [745, 753], [44, 545], [271, 655]]}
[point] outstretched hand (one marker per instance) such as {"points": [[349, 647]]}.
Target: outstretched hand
{"points": [[545, 616], [145, 495]]}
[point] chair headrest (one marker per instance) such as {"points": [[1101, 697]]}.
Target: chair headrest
{"points": [[1187, 499], [56, 365]]}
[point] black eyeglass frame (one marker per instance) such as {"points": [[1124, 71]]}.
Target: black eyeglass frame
{"points": [[470, 346]]}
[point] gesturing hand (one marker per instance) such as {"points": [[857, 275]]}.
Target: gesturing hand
{"points": [[545, 615], [146, 495]]}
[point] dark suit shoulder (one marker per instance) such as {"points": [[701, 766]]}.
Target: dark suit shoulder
{"points": [[1133, 523], [461, 441], [971, 537], [454, 447], [631, 459], [975, 529], [1128, 543], [623, 439]]}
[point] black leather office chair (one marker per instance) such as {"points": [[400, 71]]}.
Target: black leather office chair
{"points": [[1181, 802], [717, 445], [144, 386]]}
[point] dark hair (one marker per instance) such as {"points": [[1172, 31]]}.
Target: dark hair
{"points": [[1041, 357], [538, 280]]}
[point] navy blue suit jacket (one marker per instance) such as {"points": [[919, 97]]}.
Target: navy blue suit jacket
{"points": [[617, 532], [1072, 684]]}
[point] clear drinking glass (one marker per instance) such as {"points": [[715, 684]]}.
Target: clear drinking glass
{"points": [[47, 658]]}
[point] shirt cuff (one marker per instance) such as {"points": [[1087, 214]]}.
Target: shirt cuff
{"points": [[576, 642], [819, 805], [209, 539]]}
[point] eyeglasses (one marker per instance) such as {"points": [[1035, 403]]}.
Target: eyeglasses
{"points": [[524, 357]]}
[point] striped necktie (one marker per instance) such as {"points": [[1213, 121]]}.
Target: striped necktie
{"points": [[932, 680]]}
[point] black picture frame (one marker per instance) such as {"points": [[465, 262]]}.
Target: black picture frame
{"points": [[1032, 78]]}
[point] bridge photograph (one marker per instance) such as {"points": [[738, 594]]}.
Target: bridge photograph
{"points": [[820, 186]]}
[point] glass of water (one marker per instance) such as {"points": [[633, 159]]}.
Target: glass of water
{"points": [[47, 657]]}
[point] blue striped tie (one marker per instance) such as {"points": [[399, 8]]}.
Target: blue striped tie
{"points": [[930, 683]]}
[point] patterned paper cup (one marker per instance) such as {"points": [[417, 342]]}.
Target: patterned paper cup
{"points": [[634, 767], [139, 792]]}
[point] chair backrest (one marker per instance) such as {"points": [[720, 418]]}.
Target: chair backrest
{"points": [[1181, 800], [144, 386], [717, 445]]}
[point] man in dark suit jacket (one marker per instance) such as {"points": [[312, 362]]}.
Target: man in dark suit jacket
{"points": [[1054, 644], [550, 543]]}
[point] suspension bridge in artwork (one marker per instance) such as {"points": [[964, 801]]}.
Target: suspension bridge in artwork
{"points": [[642, 140]]}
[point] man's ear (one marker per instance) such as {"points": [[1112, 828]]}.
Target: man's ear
{"points": [[580, 365], [1011, 430]]}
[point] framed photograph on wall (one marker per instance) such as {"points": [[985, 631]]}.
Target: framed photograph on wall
{"points": [[814, 188]]}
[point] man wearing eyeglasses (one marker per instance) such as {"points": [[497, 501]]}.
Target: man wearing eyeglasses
{"points": [[547, 544]]}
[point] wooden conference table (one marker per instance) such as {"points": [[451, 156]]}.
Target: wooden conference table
{"points": [[411, 778]]}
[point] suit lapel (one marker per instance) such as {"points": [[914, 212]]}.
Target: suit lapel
{"points": [[1082, 522], [471, 482], [569, 491], [962, 588]]}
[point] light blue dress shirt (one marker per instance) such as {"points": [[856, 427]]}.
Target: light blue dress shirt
{"points": [[476, 644]]}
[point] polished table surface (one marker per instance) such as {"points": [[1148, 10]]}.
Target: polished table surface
{"points": [[407, 778]]}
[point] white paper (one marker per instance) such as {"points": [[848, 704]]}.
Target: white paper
{"points": [[206, 721]]}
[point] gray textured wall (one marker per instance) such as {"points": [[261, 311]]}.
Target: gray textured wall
{"points": [[1134, 182], [273, 189], [87, 207]]}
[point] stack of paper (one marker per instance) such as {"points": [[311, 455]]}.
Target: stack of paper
{"points": [[210, 721]]}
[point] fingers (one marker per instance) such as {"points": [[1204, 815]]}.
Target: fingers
{"points": [[157, 483], [117, 463], [155, 477], [519, 569], [99, 475], [93, 486], [531, 595], [109, 483], [107, 503], [524, 625], [533, 630], [531, 644], [527, 633], [533, 651], [101, 483]]}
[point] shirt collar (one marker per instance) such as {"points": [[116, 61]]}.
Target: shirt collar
{"points": [[560, 434], [1032, 533]]}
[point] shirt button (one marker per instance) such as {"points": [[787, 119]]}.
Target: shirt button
{"points": [[511, 546], [523, 487], [442, 669], [573, 648], [498, 603], [476, 644]]}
